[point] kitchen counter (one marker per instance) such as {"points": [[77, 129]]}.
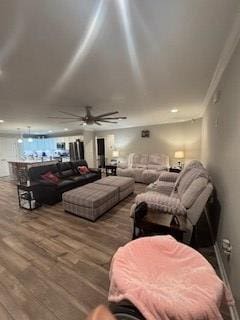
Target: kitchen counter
{"points": [[17, 166]]}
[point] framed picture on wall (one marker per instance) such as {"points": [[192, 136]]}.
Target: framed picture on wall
{"points": [[145, 133]]}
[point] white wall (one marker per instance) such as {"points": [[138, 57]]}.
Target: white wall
{"points": [[221, 155], [165, 138], [9, 150], [89, 147]]}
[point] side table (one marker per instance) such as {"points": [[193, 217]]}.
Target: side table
{"points": [[111, 169], [155, 222], [26, 196], [177, 170]]}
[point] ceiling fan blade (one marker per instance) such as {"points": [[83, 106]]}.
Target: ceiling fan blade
{"points": [[98, 123], [76, 120], [106, 114], [70, 114], [62, 118], [113, 118], [108, 121]]}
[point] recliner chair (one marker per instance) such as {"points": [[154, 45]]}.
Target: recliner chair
{"points": [[187, 196]]}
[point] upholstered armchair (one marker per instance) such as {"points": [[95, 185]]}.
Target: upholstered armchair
{"points": [[186, 196]]}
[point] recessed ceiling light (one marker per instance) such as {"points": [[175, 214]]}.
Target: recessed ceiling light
{"points": [[65, 129], [1, 121], [174, 110], [50, 131]]}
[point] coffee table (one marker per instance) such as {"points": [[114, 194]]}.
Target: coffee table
{"points": [[156, 222]]}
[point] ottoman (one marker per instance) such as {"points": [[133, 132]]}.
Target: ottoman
{"points": [[125, 185], [150, 176], [90, 201]]}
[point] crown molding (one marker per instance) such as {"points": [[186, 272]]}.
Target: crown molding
{"points": [[224, 59]]}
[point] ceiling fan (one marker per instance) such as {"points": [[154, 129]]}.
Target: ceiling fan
{"points": [[89, 118]]}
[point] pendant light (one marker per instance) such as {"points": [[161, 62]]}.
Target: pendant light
{"points": [[20, 140], [29, 134]]}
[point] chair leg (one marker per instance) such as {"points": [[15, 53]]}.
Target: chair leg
{"points": [[194, 242]]}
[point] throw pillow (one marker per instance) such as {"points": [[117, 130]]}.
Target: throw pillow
{"points": [[83, 170], [50, 177]]}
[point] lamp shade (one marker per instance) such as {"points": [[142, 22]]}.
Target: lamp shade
{"points": [[179, 155], [115, 153]]}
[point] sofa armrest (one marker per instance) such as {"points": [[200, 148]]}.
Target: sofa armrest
{"points": [[97, 171], [168, 176], [94, 169], [163, 187], [122, 165]]}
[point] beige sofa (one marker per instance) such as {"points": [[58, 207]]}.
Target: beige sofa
{"points": [[144, 168]]}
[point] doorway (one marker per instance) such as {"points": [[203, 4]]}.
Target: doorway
{"points": [[101, 152]]}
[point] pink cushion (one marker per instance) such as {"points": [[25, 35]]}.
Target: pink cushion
{"points": [[50, 177], [83, 170], [167, 280]]}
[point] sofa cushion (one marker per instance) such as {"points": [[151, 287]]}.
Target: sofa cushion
{"points": [[78, 178], [193, 191], [83, 169], [164, 187], [190, 176], [65, 169], [36, 172], [76, 164], [161, 202], [65, 183], [161, 160], [191, 165], [140, 160], [149, 176], [156, 167], [50, 177], [129, 172], [168, 176]]}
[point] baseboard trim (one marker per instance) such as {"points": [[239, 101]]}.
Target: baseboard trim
{"points": [[232, 309]]}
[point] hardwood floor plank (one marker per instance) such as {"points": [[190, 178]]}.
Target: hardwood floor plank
{"points": [[4, 313], [22, 298]]}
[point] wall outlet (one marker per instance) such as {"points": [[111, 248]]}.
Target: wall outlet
{"points": [[226, 246]]}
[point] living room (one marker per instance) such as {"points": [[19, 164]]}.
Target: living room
{"points": [[119, 120]]}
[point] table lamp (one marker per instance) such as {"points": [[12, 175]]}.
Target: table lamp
{"points": [[179, 155], [115, 154]]}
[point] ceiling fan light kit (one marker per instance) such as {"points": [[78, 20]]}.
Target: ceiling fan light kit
{"points": [[89, 118]]}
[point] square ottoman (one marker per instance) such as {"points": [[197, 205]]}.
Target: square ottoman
{"points": [[90, 201], [125, 185]]}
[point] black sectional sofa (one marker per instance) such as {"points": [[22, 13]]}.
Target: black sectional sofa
{"points": [[69, 178]]}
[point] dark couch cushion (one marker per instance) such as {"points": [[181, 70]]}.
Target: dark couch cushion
{"points": [[78, 163], [50, 177], [91, 176], [65, 183], [36, 172], [65, 169], [78, 178]]}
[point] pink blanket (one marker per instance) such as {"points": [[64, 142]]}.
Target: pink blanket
{"points": [[166, 280]]}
